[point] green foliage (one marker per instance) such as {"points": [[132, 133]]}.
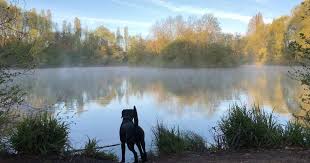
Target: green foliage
{"points": [[195, 142], [179, 53], [244, 128], [175, 41], [253, 128], [3, 127], [169, 141], [138, 53], [41, 134], [297, 134], [91, 150], [300, 48]]}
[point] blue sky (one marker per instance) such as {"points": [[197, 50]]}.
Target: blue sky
{"points": [[139, 15]]}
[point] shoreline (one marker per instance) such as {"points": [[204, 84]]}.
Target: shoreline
{"points": [[247, 155]]}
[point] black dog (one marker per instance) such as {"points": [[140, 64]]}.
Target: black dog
{"points": [[131, 133]]}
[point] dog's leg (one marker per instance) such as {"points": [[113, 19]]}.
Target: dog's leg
{"points": [[123, 152], [143, 147], [140, 150], [131, 147]]}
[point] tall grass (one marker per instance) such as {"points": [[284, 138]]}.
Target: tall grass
{"points": [[297, 134], [244, 128], [91, 149], [250, 128], [7, 119], [169, 141], [3, 121], [42, 134]]}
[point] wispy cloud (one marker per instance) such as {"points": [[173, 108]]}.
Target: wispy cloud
{"points": [[107, 21], [200, 11], [116, 21], [128, 4], [261, 1]]}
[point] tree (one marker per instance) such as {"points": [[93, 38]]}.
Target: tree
{"points": [[299, 23], [137, 52], [179, 53], [15, 51], [208, 28], [256, 46], [126, 37], [119, 38], [255, 23], [276, 40], [77, 32], [301, 48]]}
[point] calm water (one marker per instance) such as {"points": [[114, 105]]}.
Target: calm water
{"points": [[92, 98]]}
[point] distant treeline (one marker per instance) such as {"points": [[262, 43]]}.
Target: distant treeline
{"points": [[172, 42]]}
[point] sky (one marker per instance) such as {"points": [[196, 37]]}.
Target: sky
{"points": [[139, 15]]}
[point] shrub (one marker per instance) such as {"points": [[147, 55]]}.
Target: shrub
{"points": [[250, 128], [5, 129], [3, 121], [91, 149], [41, 134], [297, 134], [172, 140], [195, 142]]}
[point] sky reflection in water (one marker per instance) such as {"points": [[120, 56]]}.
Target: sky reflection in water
{"points": [[194, 99]]}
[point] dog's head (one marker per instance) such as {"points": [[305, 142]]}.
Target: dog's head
{"points": [[129, 113]]}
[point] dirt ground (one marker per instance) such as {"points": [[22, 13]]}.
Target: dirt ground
{"points": [[241, 156], [247, 156]]}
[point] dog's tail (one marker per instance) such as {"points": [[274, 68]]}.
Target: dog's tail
{"points": [[135, 116]]}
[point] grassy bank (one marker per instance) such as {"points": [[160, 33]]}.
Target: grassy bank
{"points": [[44, 136], [240, 128], [173, 140]]}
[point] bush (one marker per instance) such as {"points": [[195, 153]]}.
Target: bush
{"points": [[195, 142], [297, 134], [5, 128], [3, 122], [42, 134], [250, 128], [172, 140], [91, 150]]}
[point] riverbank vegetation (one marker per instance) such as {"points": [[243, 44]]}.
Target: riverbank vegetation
{"points": [[45, 136], [41, 134], [172, 42], [240, 128], [174, 140], [29, 38], [91, 150]]}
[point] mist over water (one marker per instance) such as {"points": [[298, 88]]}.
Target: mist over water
{"points": [[194, 99]]}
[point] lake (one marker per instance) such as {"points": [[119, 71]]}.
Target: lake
{"points": [[92, 99]]}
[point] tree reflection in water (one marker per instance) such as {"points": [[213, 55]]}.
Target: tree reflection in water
{"points": [[202, 90]]}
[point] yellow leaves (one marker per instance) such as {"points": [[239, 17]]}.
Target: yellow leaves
{"points": [[262, 55], [104, 33], [34, 33]]}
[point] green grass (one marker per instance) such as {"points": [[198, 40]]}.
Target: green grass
{"points": [[245, 128], [41, 134], [297, 134], [5, 130], [169, 141], [91, 150], [250, 128], [3, 120]]}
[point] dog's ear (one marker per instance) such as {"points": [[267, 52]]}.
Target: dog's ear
{"points": [[134, 107], [123, 112]]}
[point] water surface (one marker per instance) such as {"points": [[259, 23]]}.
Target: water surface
{"points": [[195, 99]]}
